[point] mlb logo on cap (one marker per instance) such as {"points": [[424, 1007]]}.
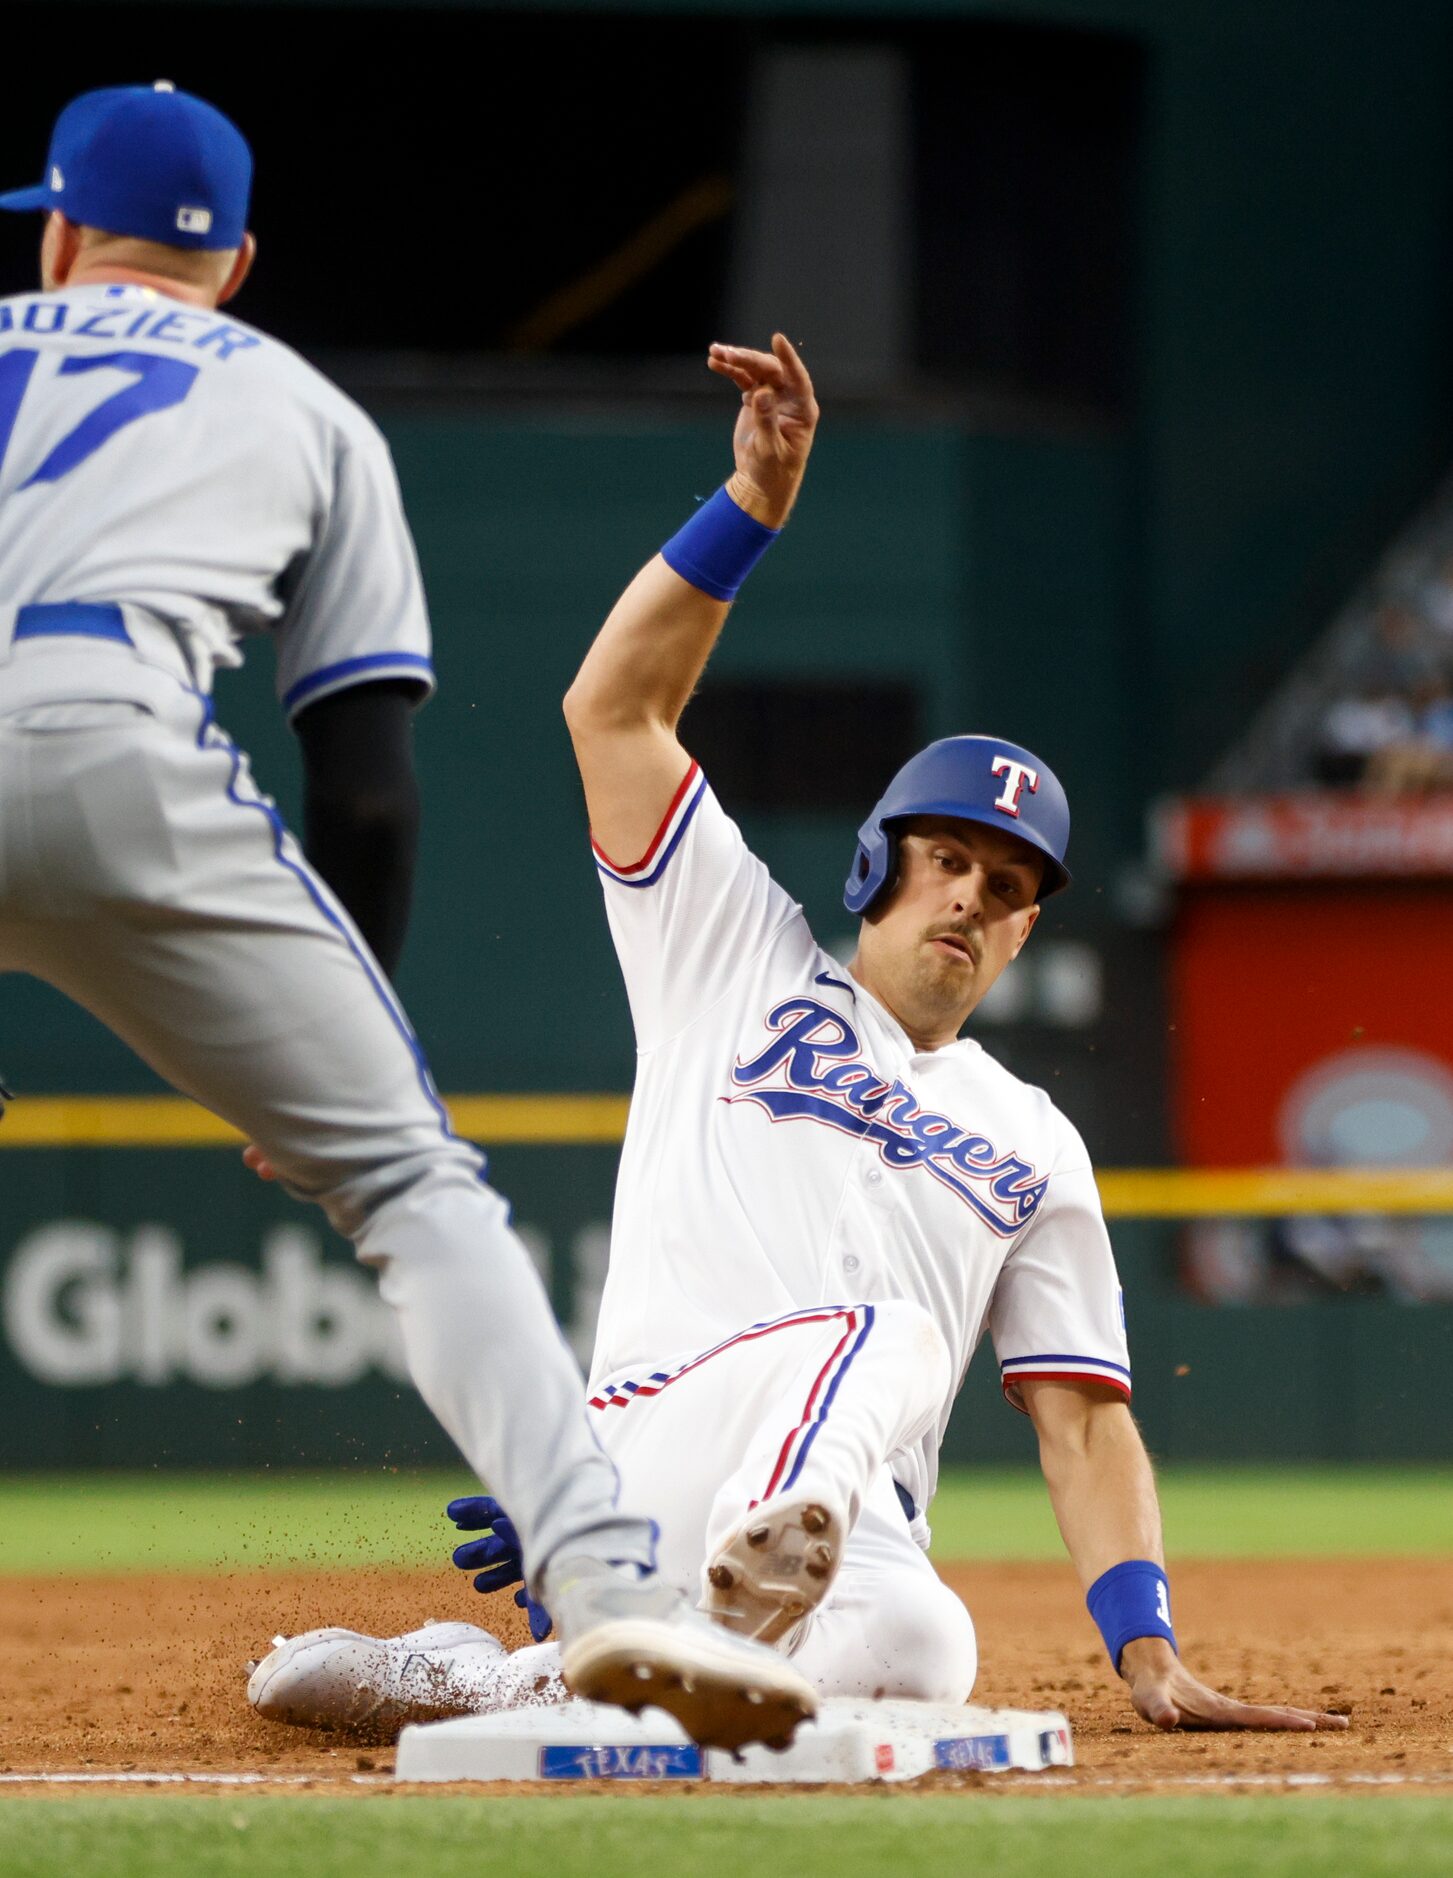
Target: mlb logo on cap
{"points": [[148, 161]]}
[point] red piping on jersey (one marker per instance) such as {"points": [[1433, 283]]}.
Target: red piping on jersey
{"points": [[1058, 1375], [822, 1377], [635, 867], [624, 1397]]}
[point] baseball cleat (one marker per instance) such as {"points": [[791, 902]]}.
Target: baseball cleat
{"points": [[775, 1570], [640, 1645], [341, 1679]]}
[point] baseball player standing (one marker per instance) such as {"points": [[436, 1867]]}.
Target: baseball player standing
{"points": [[826, 1195], [173, 482]]}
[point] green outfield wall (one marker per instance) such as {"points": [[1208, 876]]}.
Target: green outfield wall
{"points": [[163, 1308], [159, 1307], [1119, 596]]}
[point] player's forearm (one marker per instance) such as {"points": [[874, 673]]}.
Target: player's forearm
{"points": [[366, 854], [652, 650], [361, 806], [1101, 1487], [647, 658]]}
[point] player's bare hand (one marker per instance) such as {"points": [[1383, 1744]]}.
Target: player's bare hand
{"points": [[254, 1158], [1167, 1695], [775, 429]]}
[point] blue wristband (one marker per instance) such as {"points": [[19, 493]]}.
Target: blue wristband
{"points": [[718, 547], [1131, 1600]]}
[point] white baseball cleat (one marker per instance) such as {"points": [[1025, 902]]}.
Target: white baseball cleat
{"points": [[638, 1644], [341, 1679], [775, 1569]]}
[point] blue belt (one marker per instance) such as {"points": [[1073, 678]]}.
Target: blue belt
{"points": [[73, 617]]}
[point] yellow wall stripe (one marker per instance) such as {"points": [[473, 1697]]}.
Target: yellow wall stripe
{"points": [[584, 1120], [173, 1122], [1266, 1192]]}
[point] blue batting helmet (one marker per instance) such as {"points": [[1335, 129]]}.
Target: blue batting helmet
{"points": [[978, 779]]}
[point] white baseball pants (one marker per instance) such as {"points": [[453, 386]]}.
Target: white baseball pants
{"points": [[814, 1405]]}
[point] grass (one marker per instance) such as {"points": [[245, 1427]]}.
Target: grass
{"points": [[709, 1837], [165, 1521], [76, 1523], [1218, 1512]]}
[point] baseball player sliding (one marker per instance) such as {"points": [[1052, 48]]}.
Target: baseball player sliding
{"points": [[825, 1196], [172, 483]]}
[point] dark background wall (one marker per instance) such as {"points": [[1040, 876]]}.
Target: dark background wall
{"points": [[1109, 556], [1172, 361]]}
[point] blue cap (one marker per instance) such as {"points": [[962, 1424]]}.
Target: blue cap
{"points": [[977, 779], [148, 161]]}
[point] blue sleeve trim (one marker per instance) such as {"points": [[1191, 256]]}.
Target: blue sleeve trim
{"points": [[406, 664], [1064, 1356], [672, 845]]}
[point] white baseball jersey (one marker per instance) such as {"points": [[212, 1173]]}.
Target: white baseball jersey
{"points": [[169, 457], [788, 1146]]}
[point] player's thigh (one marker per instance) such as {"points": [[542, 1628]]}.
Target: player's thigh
{"points": [[281, 1032], [678, 1431], [195, 930]]}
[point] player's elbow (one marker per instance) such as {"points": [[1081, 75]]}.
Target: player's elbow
{"points": [[383, 814], [576, 706], [595, 710]]}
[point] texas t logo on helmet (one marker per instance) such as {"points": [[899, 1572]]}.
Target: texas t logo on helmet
{"points": [[977, 779], [1018, 777]]}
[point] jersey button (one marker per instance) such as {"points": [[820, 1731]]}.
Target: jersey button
{"points": [[851, 1262], [874, 1175]]}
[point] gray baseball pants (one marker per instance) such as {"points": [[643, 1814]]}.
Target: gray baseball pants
{"points": [[143, 874]]}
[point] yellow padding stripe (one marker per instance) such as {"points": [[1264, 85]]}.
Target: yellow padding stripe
{"points": [[1267, 1192], [173, 1122], [586, 1120]]}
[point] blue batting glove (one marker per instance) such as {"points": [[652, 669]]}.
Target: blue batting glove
{"points": [[500, 1554]]}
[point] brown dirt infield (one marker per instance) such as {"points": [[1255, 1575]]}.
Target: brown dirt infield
{"points": [[143, 1674]]}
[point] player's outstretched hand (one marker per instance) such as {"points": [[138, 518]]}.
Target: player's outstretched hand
{"points": [[254, 1158], [775, 429], [499, 1552], [1167, 1695]]}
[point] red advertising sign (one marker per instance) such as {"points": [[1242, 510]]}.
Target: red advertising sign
{"points": [[1308, 836], [1313, 1025]]}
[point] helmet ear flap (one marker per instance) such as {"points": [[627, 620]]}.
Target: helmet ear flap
{"points": [[888, 878], [873, 868]]}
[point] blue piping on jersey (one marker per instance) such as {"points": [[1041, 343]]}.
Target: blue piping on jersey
{"points": [[403, 663], [821, 1416], [279, 832]]}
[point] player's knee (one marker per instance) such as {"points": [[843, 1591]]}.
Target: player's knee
{"points": [[922, 1642], [931, 1649], [428, 1200]]}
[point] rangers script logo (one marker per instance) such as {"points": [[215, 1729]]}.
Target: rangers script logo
{"points": [[813, 1070]]}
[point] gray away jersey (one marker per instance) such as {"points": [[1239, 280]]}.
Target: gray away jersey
{"points": [[170, 457]]}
